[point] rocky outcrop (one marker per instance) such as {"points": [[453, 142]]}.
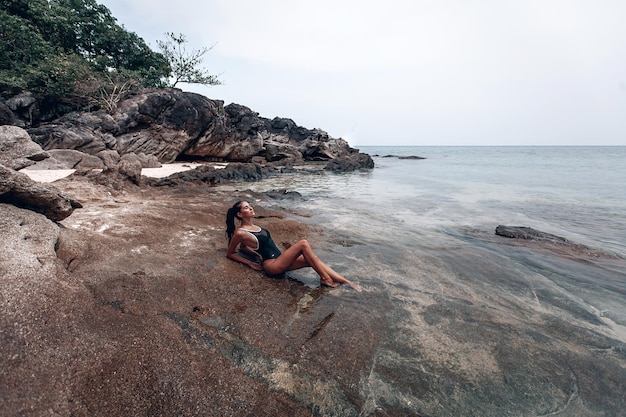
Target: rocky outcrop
{"points": [[19, 190], [174, 125], [205, 174], [17, 150]]}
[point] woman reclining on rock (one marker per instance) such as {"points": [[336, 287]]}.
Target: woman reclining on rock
{"points": [[257, 240]]}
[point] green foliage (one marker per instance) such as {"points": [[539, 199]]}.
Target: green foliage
{"points": [[71, 51], [185, 65]]}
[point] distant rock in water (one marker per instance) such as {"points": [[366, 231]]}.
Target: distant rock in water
{"points": [[403, 157], [554, 242], [528, 233]]}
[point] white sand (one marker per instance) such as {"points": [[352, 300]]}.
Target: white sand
{"points": [[47, 175], [51, 175]]}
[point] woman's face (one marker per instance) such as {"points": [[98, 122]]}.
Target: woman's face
{"points": [[246, 210]]}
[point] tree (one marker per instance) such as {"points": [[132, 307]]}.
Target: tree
{"points": [[39, 37], [185, 65]]}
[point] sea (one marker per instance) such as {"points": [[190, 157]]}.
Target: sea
{"points": [[418, 233]]}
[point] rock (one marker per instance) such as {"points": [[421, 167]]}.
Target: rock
{"points": [[149, 161], [351, 162], [130, 166], [69, 159], [235, 134], [86, 132], [283, 195], [7, 117], [17, 150], [19, 190], [165, 123], [206, 174], [552, 242], [528, 233], [109, 158], [403, 157], [119, 173], [21, 101]]}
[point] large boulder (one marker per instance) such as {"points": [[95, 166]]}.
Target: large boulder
{"points": [[130, 166], [165, 122], [351, 162], [19, 190], [236, 135], [17, 150]]}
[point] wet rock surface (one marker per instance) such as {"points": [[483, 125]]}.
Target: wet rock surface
{"points": [[130, 307]]}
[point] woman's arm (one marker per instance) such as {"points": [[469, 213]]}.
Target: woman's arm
{"points": [[240, 238]]}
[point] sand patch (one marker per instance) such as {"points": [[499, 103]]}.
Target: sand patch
{"points": [[51, 175]]}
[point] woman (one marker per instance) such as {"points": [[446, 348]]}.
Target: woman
{"points": [[257, 241]]}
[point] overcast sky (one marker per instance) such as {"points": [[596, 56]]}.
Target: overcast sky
{"points": [[411, 72]]}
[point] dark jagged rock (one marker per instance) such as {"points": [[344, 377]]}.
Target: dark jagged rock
{"points": [[351, 162], [283, 195], [17, 150], [550, 241], [19, 190], [403, 157], [86, 132], [7, 117], [206, 174], [528, 233]]}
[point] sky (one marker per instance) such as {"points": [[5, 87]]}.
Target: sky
{"points": [[411, 72]]}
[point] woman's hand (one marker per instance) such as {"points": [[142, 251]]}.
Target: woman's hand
{"points": [[256, 266]]}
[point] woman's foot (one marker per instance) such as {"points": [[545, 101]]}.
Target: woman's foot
{"points": [[329, 283]]}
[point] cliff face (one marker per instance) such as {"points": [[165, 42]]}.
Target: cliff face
{"points": [[172, 124]]}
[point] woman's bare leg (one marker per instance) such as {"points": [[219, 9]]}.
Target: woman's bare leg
{"points": [[300, 255]]}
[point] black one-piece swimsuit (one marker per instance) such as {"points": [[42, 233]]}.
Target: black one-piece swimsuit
{"points": [[265, 245]]}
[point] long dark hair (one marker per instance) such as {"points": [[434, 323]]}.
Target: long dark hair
{"points": [[230, 219]]}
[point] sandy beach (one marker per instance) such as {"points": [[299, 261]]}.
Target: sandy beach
{"points": [[51, 175]]}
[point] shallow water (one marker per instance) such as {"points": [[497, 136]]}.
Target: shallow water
{"points": [[462, 304]]}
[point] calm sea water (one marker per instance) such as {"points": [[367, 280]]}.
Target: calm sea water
{"points": [[575, 192], [421, 233]]}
